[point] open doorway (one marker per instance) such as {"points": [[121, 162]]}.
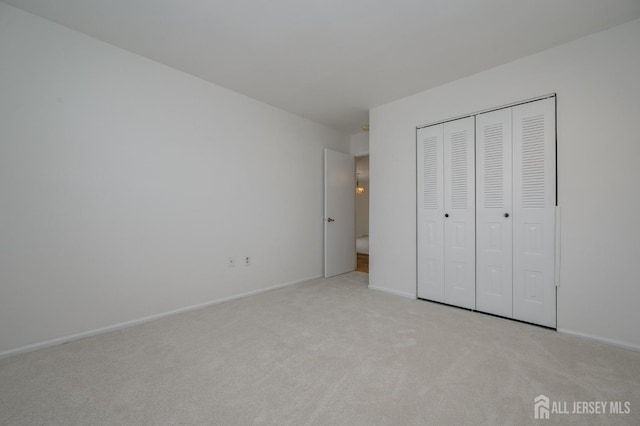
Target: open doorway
{"points": [[362, 213]]}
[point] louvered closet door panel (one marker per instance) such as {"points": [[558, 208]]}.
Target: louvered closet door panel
{"points": [[534, 290], [430, 213], [494, 213], [459, 205]]}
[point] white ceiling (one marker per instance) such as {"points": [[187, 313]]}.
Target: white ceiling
{"points": [[332, 60]]}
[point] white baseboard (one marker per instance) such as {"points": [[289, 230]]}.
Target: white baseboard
{"points": [[395, 292], [126, 324], [613, 342]]}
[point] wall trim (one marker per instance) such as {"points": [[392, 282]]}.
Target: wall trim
{"points": [[119, 326], [483, 111], [606, 340], [394, 292]]}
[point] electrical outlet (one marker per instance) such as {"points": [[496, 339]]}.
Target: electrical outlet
{"points": [[231, 262], [247, 261]]}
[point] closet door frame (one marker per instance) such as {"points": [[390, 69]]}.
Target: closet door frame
{"points": [[549, 265]]}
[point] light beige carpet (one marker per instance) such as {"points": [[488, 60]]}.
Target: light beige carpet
{"points": [[327, 352]]}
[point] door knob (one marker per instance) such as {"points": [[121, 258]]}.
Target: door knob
{"points": [[446, 215], [506, 215], [330, 220]]}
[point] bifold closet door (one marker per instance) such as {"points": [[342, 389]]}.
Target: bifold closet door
{"points": [[516, 192], [494, 213], [534, 201], [459, 213], [430, 212], [446, 213]]}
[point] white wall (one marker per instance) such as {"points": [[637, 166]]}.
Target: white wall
{"points": [[597, 84], [362, 211], [359, 144], [362, 200], [125, 185]]}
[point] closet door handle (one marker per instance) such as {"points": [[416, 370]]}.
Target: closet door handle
{"points": [[506, 215], [446, 215]]}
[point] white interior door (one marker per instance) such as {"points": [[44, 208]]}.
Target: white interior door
{"points": [[494, 213], [459, 213], [534, 199], [339, 213], [430, 213]]}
